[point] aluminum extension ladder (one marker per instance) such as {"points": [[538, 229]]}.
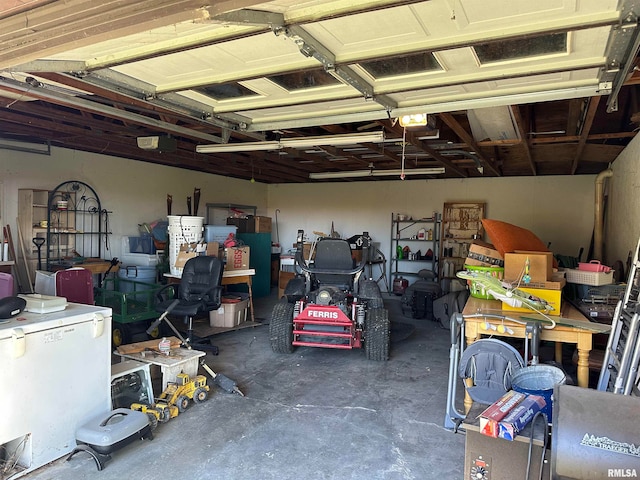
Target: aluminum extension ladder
{"points": [[620, 368]]}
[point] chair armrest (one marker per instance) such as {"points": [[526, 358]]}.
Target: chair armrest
{"points": [[214, 296], [169, 289]]}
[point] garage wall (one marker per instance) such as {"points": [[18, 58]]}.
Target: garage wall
{"points": [[623, 210], [559, 209], [135, 192]]}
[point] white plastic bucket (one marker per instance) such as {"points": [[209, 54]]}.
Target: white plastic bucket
{"points": [[182, 229]]}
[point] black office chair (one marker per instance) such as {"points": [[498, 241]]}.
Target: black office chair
{"points": [[199, 291]]}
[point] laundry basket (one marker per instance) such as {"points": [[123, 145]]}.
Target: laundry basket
{"points": [[182, 229], [476, 289]]}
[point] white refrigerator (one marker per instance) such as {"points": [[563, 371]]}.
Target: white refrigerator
{"points": [[55, 371]]}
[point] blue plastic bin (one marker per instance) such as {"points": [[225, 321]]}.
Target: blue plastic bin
{"points": [[135, 273]]}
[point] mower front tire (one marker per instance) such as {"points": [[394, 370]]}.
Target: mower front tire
{"points": [[281, 327], [377, 335]]}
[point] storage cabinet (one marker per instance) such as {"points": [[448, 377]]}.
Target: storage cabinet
{"points": [[461, 225], [418, 240], [259, 260]]}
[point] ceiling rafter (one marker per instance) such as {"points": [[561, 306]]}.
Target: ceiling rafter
{"points": [[524, 138], [412, 138], [586, 128], [468, 139]]}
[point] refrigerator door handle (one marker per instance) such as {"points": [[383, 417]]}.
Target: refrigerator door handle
{"points": [[98, 325], [19, 342]]}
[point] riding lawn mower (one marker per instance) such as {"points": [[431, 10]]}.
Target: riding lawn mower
{"points": [[330, 304]]}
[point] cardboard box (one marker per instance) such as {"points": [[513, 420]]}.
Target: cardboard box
{"points": [[540, 265], [182, 258], [262, 224], [520, 416], [283, 279], [553, 298], [245, 225], [482, 254], [213, 249], [236, 258], [229, 314], [497, 411], [557, 282]]}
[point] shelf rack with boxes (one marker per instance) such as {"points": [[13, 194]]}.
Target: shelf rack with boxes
{"points": [[415, 238], [461, 225]]}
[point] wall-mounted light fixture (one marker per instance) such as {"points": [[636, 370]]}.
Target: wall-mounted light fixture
{"points": [[376, 173], [301, 142]]}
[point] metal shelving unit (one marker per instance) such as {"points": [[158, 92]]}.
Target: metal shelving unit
{"points": [[76, 225], [408, 233]]}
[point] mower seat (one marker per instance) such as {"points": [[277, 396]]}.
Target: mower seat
{"points": [[334, 254]]}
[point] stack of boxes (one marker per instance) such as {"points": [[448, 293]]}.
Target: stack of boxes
{"points": [[251, 224], [532, 272], [237, 258], [483, 259], [482, 254]]}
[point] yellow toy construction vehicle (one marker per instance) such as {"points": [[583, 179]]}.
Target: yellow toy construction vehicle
{"points": [[158, 413], [184, 388]]}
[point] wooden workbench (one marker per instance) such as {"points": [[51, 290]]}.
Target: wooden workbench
{"points": [[572, 327]]}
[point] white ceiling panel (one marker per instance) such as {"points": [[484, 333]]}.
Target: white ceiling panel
{"points": [[239, 69]]}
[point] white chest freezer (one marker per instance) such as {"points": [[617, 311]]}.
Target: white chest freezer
{"points": [[55, 371]]}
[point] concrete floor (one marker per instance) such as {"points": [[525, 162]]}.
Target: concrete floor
{"points": [[314, 414]]}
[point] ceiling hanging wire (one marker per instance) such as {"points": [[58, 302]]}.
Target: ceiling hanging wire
{"points": [[404, 144]]}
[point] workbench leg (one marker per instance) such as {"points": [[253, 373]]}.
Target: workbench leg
{"points": [[468, 401], [583, 368], [558, 352]]}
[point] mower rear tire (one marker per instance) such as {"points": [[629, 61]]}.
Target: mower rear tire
{"points": [[377, 335], [281, 327]]}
